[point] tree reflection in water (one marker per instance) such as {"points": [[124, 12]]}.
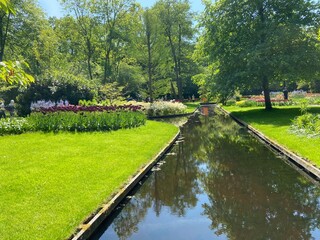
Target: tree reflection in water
{"points": [[250, 194]]}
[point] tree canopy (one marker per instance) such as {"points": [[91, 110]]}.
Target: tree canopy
{"points": [[255, 43]]}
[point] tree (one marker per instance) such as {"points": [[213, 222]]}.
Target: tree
{"points": [[149, 34], [83, 11], [259, 42], [176, 20], [117, 18]]}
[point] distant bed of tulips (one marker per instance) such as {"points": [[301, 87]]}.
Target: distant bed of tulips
{"points": [[76, 109]]}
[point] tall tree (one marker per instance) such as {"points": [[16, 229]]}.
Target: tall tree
{"points": [[114, 16], [151, 48], [261, 42], [176, 19], [84, 11]]}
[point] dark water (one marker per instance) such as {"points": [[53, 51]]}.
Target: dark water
{"points": [[221, 183]]}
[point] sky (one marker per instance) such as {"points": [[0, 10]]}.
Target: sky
{"points": [[53, 8]]}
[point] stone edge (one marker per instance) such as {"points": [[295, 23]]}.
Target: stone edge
{"points": [[304, 164], [85, 230]]}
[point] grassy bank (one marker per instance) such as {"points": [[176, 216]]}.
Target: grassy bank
{"points": [[276, 123], [191, 106], [49, 183]]}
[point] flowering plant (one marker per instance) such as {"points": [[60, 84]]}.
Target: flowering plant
{"points": [[14, 126], [164, 108], [64, 106]]}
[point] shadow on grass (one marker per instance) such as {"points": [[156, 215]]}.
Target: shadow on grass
{"points": [[277, 116]]}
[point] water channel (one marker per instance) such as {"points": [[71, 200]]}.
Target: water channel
{"points": [[218, 183]]}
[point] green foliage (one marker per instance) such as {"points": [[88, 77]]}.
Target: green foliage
{"points": [[231, 102], [307, 124], [304, 107], [110, 93], [67, 88], [12, 72], [85, 121], [257, 43], [14, 126], [6, 6]]}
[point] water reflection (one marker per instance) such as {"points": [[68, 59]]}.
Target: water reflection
{"points": [[221, 183]]}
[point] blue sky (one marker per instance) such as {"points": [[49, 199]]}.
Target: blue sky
{"points": [[53, 8]]}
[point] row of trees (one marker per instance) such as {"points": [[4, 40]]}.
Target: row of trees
{"points": [[99, 44]]}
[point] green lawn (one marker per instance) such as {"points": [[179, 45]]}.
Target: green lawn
{"points": [[191, 106], [276, 123], [49, 183]]}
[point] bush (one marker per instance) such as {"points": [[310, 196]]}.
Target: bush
{"points": [[231, 102], [85, 121], [307, 124], [162, 108], [14, 126], [54, 91]]}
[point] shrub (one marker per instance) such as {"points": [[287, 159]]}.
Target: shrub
{"points": [[85, 121], [162, 108], [307, 124], [231, 102], [71, 89], [14, 126]]}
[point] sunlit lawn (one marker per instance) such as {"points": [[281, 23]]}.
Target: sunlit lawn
{"points": [[276, 124], [49, 183], [191, 106]]}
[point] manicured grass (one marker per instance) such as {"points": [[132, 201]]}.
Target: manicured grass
{"points": [[276, 123], [191, 106], [49, 183]]}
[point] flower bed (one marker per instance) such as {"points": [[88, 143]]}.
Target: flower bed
{"points": [[49, 116], [76, 109], [163, 108], [85, 121]]}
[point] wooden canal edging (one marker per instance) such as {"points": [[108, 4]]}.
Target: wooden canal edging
{"points": [[87, 228], [302, 163]]}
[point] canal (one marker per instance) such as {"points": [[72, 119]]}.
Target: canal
{"points": [[219, 182]]}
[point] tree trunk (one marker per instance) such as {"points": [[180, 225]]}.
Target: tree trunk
{"points": [[89, 58], [179, 80], [175, 60], [3, 34], [173, 91], [107, 67], [266, 92], [149, 67], [265, 80]]}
